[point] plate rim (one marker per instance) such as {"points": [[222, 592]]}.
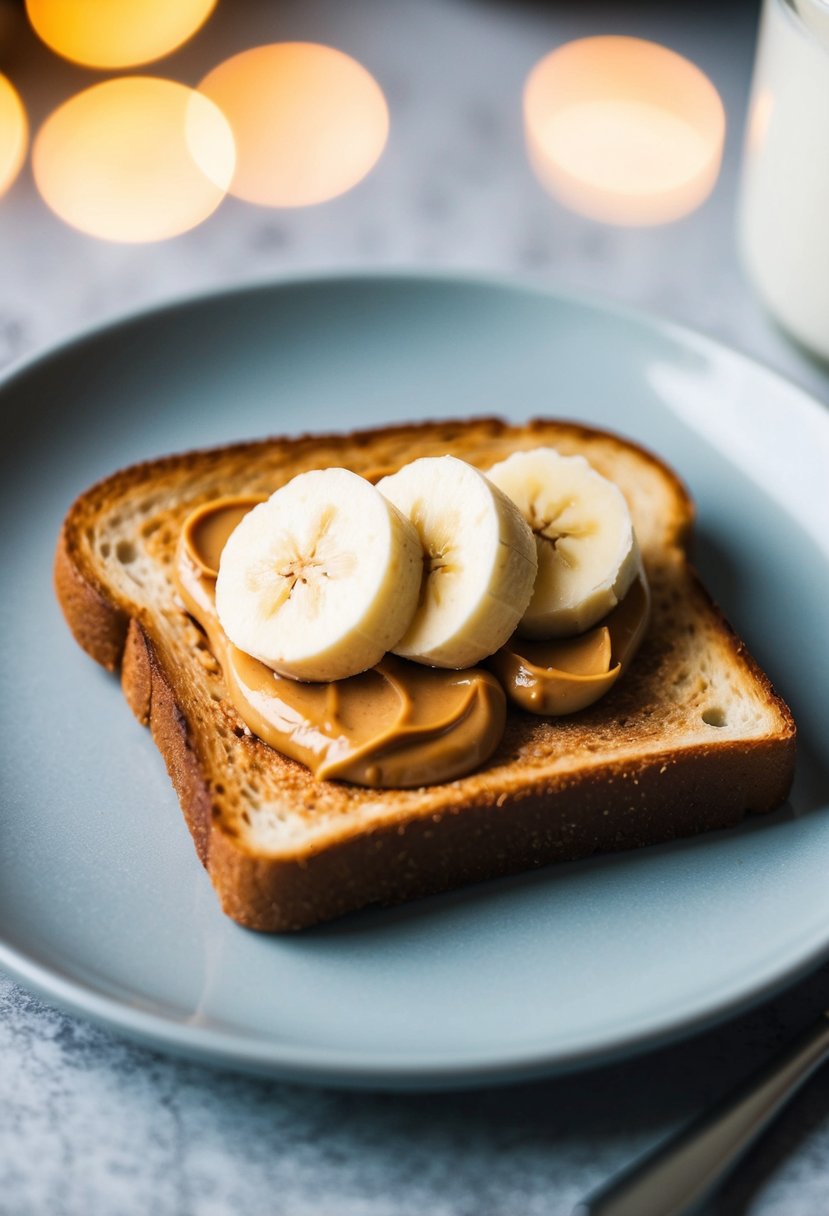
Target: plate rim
{"points": [[594, 300], [341, 1069], [389, 1070]]}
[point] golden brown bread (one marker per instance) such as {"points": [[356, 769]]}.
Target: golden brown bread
{"points": [[693, 737]]}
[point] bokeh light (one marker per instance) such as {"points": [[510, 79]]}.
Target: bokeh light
{"points": [[134, 159], [759, 119], [116, 33], [623, 130], [14, 134], [309, 122]]}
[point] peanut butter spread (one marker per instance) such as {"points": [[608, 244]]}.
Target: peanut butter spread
{"points": [[400, 724], [565, 675], [396, 725]]}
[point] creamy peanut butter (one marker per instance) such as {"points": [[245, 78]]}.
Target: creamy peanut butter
{"points": [[400, 724], [565, 675], [396, 725]]}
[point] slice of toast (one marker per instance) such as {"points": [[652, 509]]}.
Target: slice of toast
{"points": [[689, 740]]}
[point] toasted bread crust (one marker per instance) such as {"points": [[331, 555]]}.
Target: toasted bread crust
{"points": [[600, 807], [97, 624], [152, 699]]}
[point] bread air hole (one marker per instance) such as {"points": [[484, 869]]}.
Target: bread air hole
{"points": [[713, 716], [125, 552]]}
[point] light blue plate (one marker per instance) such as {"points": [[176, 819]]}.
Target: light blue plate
{"points": [[103, 905]]}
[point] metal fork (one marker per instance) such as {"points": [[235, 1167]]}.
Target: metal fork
{"points": [[681, 1170]]}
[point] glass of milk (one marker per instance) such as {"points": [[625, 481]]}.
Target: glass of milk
{"points": [[784, 205]]}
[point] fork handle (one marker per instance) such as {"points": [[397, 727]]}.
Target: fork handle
{"points": [[683, 1168]]}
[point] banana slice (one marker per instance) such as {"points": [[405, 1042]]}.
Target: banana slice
{"points": [[322, 579], [587, 551], [479, 561]]}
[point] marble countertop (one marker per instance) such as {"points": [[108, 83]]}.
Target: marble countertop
{"points": [[92, 1124]]}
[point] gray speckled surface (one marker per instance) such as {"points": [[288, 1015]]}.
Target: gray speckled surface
{"points": [[92, 1124], [89, 1124]]}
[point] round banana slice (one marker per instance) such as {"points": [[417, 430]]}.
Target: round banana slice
{"points": [[587, 551], [322, 579], [478, 557]]}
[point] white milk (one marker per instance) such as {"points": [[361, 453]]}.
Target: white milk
{"points": [[784, 210]]}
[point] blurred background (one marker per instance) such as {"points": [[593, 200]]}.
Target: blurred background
{"points": [[441, 133]]}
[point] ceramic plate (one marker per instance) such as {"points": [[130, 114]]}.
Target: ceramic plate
{"points": [[103, 905]]}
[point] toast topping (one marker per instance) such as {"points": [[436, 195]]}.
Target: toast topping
{"points": [[588, 556], [565, 675], [206, 530], [322, 580], [398, 724], [479, 561]]}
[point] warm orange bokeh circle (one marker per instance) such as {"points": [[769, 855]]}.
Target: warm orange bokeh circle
{"points": [[14, 134], [134, 159], [116, 33], [309, 122], [623, 130]]}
